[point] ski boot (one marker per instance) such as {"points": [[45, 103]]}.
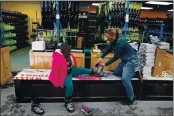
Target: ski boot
{"points": [[68, 104], [98, 69], [36, 108]]}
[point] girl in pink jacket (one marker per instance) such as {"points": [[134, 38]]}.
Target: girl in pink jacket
{"points": [[63, 69]]}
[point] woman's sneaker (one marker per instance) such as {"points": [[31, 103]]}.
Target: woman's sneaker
{"points": [[86, 110], [128, 101], [70, 107]]}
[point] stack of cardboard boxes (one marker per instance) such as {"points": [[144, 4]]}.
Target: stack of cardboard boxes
{"points": [[147, 58]]}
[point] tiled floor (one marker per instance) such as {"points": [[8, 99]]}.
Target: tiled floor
{"points": [[20, 59], [141, 108]]}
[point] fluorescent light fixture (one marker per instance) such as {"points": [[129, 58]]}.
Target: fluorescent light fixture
{"points": [[171, 10], [95, 4], [159, 3], [146, 8]]}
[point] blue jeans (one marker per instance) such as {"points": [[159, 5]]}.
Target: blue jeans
{"points": [[127, 71]]}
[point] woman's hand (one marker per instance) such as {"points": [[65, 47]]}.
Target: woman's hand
{"points": [[100, 60]]}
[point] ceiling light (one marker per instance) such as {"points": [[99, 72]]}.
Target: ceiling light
{"points": [[159, 3], [95, 4], [146, 8], [171, 10]]}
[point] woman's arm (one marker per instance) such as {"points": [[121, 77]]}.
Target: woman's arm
{"points": [[117, 52], [107, 51]]}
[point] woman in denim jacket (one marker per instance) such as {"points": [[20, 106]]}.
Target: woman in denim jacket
{"points": [[129, 61]]}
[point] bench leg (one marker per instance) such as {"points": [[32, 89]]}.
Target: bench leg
{"points": [[19, 90]]}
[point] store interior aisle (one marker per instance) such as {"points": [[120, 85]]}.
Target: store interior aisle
{"points": [[20, 59]]}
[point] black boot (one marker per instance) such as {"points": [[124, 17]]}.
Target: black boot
{"points": [[128, 101], [35, 107], [68, 104]]}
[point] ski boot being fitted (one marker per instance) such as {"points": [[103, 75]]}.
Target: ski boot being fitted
{"points": [[36, 108], [98, 69], [68, 104]]}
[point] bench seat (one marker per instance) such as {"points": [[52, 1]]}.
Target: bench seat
{"points": [[35, 82], [42, 74]]}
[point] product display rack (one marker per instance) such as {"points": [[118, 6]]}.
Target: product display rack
{"points": [[19, 21], [112, 15], [9, 37], [92, 28], [68, 14], [156, 27], [73, 15]]}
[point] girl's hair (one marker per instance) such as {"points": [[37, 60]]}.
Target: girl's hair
{"points": [[113, 31], [66, 50]]}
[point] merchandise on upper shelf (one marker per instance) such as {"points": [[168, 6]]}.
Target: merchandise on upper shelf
{"points": [[69, 11], [7, 27], [16, 25], [157, 27], [9, 36], [112, 15]]}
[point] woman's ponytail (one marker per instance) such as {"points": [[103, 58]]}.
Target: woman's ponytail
{"points": [[113, 31]]}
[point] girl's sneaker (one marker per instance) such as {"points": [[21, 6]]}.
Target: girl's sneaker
{"points": [[86, 110]]}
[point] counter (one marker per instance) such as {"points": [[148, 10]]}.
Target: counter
{"points": [[43, 60], [170, 51], [95, 56], [5, 71], [163, 62]]}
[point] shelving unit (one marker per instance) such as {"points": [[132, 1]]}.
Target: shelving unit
{"points": [[20, 32], [113, 16], [92, 28], [9, 37], [155, 26]]}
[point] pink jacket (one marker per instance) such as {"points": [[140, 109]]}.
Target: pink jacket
{"points": [[59, 69]]}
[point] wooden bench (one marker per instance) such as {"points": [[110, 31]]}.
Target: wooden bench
{"points": [[33, 82]]}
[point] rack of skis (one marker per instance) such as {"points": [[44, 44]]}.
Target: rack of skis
{"points": [[69, 12], [76, 15]]}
